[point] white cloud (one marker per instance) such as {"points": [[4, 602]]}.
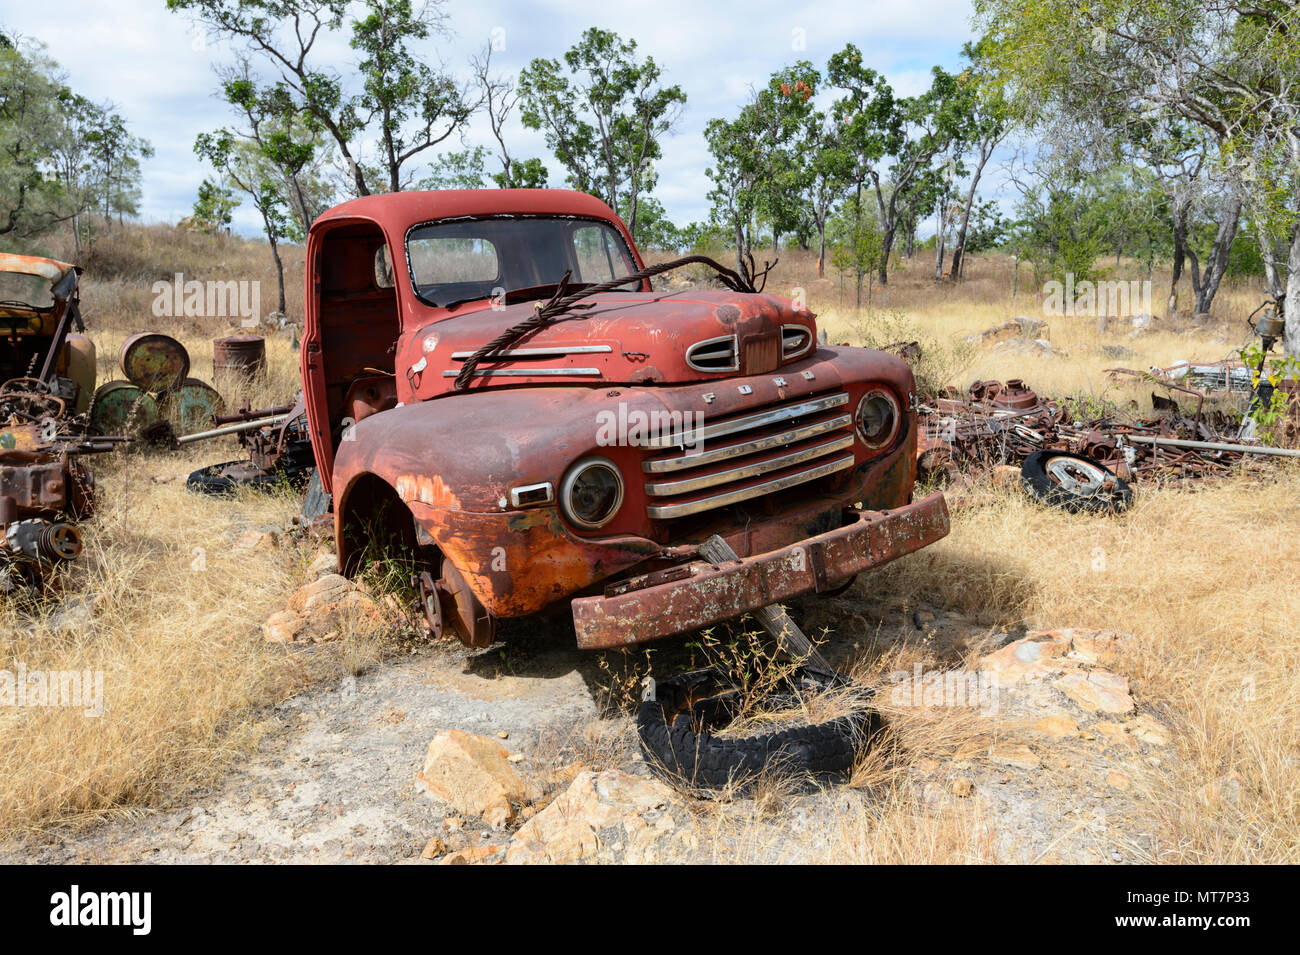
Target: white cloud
{"points": [[147, 61]]}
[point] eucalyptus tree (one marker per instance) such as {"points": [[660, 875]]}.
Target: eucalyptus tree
{"points": [[604, 113], [910, 132], [402, 103], [1230, 68], [756, 170]]}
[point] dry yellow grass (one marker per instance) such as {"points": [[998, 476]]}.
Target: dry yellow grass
{"points": [[1201, 579], [175, 621]]}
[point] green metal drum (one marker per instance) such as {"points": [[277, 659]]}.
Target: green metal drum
{"points": [[154, 362], [122, 408], [189, 406]]}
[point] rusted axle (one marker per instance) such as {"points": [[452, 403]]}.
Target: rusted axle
{"points": [[231, 429]]}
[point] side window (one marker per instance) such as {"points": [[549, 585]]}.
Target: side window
{"points": [[598, 260], [383, 267]]}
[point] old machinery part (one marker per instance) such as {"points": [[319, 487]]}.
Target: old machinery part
{"points": [[42, 540]]}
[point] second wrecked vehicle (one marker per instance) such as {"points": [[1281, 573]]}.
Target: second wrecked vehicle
{"points": [[537, 447], [47, 378]]}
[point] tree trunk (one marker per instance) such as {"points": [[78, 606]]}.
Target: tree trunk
{"points": [[888, 223], [959, 245], [740, 248], [1180, 250], [1270, 265], [1216, 265], [938, 244], [279, 276], [1291, 309], [886, 247], [821, 249]]}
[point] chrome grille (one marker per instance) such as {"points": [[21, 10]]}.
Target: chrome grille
{"points": [[750, 455]]}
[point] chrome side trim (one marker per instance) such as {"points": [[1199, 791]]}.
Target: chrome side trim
{"points": [[749, 422], [755, 469], [526, 372], [668, 511], [556, 351], [749, 447]]}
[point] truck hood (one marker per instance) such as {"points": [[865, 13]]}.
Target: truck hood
{"points": [[613, 338]]}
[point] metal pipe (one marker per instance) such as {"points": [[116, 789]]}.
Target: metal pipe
{"points": [[1212, 446], [231, 429], [242, 416]]}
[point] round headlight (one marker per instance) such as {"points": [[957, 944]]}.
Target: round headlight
{"points": [[878, 418], [592, 492]]}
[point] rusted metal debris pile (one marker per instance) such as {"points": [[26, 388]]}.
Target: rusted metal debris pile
{"points": [[998, 423], [51, 415], [47, 373]]}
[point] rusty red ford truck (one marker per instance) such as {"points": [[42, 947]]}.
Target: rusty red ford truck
{"points": [[584, 462]]}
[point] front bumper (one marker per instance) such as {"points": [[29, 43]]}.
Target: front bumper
{"points": [[699, 594]]}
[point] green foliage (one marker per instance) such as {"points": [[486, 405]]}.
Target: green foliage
{"points": [[1269, 416], [760, 169], [654, 230], [465, 169], [702, 238], [214, 206], [522, 174], [406, 105], [62, 157], [856, 241], [1226, 73], [988, 228], [604, 113], [410, 106]]}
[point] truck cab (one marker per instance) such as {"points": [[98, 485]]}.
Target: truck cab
{"points": [[583, 460]]}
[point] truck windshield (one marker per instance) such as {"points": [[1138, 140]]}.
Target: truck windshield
{"points": [[467, 259], [19, 288]]}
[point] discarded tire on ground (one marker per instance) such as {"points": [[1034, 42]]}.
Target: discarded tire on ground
{"points": [[1074, 483], [678, 721], [230, 476]]}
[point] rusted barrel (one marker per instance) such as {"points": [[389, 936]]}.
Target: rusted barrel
{"points": [[242, 356], [120, 407], [154, 362], [189, 406]]}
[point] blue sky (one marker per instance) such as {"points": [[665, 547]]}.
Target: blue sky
{"points": [[159, 71]]}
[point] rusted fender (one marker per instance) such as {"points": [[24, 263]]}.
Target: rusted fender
{"points": [[452, 463], [707, 594]]}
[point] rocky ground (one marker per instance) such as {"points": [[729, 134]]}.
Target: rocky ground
{"points": [[509, 755]]}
